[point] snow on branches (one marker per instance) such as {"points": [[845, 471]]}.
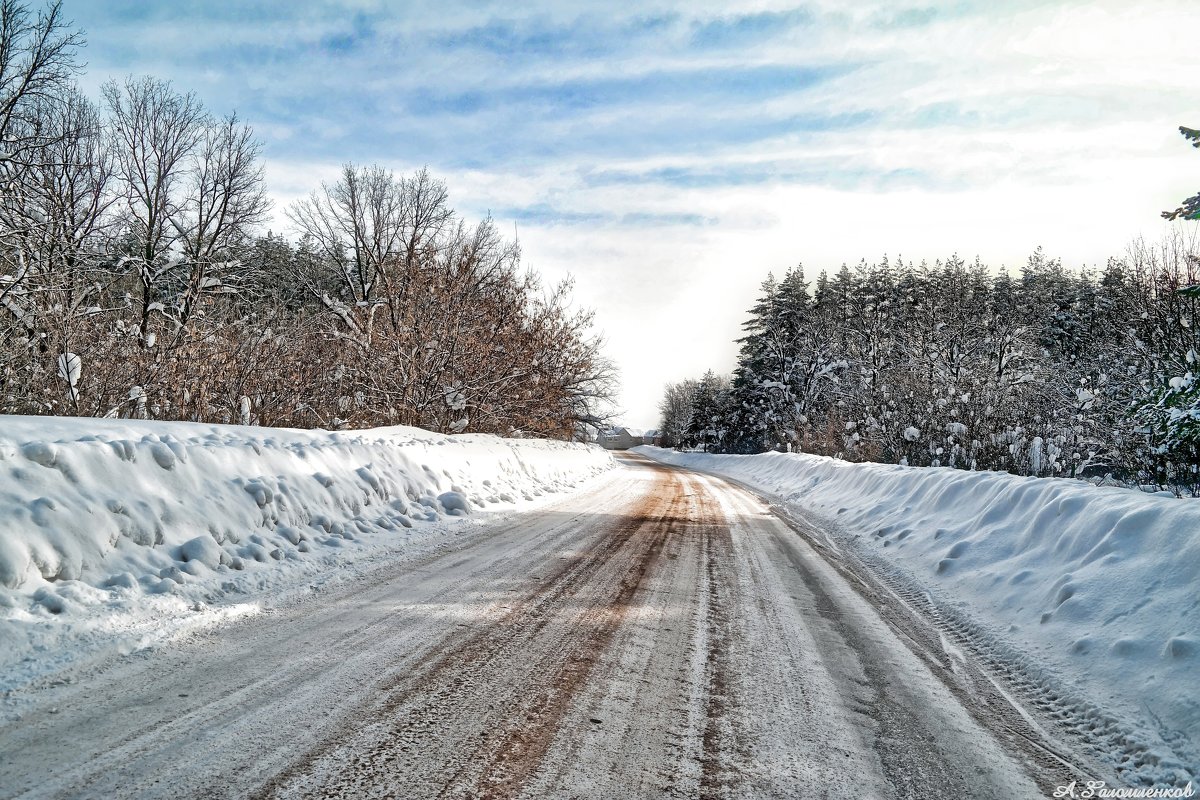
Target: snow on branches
{"points": [[1051, 372]]}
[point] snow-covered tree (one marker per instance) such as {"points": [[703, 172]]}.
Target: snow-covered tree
{"points": [[954, 364], [675, 410], [709, 414]]}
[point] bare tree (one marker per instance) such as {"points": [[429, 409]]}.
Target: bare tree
{"points": [[225, 201], [357, 224], [373, 229], [448, 333], [60, 211], [37, 63], [155, 131], [192, 192], [56, 219]]}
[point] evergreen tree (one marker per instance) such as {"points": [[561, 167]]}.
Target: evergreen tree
{"points": [[950, 364], [708, 425]]}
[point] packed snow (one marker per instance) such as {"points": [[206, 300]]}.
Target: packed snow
{"points": [[117, 534], [1096, 587]]}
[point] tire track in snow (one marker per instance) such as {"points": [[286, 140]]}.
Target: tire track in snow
{"points": [[655, 720], [720, 749], [518, 674], [988, 684], [913, 740]]}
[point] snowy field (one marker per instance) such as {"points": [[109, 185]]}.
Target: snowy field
{"points": [[1095, 591], [119, 534]]}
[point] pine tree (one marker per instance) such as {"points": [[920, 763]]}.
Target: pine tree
{"points": [[708, 426], [750, 406]]}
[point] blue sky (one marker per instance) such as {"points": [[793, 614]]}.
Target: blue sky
{"points": [[669, 155]]}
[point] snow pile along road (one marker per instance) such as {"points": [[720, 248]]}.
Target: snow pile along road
{"points": [[1096, 586], [128, 531]]}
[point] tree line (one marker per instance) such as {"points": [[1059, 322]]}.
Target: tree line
{"points": [[136, 281], [1053, 371]]}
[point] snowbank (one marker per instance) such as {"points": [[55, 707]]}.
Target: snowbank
{"points": [[1099, 585], [121, 524]]}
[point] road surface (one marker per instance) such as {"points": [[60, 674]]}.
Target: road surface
{"points": [[663, 634]]}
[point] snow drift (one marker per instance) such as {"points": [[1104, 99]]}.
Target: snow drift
{"points": [[100, 516], [1097, 585]]}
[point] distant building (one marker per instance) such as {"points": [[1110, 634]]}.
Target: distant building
{"points": [[622, 438], [652, 437]]}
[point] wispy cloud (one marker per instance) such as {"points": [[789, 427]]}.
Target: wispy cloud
{"points": [[723, 87], [546, 214], [747, 30], [845, 177]]}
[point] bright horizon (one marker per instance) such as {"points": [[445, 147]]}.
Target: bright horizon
{"points": [[670, 158]]}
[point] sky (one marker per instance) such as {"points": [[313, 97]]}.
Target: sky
{"points": [[668, 155]]}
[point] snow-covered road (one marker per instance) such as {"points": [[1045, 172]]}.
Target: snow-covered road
{"points": [[661, 633]]}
